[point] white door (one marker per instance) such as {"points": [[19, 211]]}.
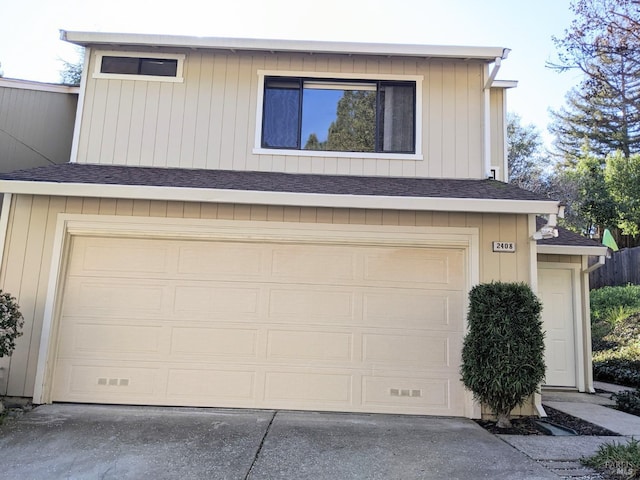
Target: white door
{"points": [[556, 291], [370, 328]]}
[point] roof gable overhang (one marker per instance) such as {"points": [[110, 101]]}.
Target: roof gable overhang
{"points": [[111, 40]]}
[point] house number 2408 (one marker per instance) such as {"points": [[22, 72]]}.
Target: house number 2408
{"points": [[504, 247]]}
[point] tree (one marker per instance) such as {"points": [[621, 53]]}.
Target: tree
{"points": [[354, 129], [603, 112], [622, 177], [524, 154], [71, 72], [503, 352]]}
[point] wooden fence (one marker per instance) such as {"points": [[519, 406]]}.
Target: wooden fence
{"points": [[622, 268]]}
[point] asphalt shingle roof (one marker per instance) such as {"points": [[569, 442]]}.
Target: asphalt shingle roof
{"points": [[565, 237], [273, 182]]}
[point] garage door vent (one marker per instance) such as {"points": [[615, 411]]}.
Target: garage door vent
{"points": [[114, 382], [404, 392]]}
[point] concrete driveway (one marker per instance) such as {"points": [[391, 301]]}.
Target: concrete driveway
{"points": [[65, 441]]}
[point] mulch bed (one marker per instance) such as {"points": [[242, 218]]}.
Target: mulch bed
{"points": [[527, 425]]}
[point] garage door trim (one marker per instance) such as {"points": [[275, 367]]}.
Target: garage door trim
{"points": [[69, 225]]}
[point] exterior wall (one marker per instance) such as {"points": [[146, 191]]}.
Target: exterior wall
{"points": [[498, 133], [36, 125], [209, 120], [29, 245]]}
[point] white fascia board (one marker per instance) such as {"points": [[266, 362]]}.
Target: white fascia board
{"points": [[488, 54], [279, 198], [39, 86], [572, 250], [504, 84]]}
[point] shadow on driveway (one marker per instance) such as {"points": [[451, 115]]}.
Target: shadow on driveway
{"points": [[119, 442]]}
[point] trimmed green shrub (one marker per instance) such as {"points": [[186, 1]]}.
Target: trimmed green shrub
{"points": [[503, 352], [11, 321]]}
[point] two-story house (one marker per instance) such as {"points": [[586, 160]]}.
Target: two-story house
{"points": [[276, 224]]}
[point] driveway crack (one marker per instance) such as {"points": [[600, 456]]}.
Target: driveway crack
{"points": [[259, 450]]}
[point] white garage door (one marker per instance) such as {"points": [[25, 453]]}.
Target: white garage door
{"points": [[263, 325]]}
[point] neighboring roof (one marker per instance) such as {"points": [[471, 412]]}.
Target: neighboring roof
{"points": [[487, 54], [568, 242], [40, 86], [277, 188]]}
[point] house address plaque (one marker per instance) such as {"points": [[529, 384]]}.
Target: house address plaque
{"points": [[504, 246]]}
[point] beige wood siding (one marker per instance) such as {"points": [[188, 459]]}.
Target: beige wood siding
{"points": [[29, 245], [36, 127], [209, 120]]}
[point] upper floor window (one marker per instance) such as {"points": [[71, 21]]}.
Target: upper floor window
{"points": [[136, 66], [346, 115]]}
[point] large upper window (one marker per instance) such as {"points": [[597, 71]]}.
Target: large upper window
{"points": [[339, 115]]}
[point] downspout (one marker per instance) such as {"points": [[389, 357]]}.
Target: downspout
{"points": [[487, 110]]}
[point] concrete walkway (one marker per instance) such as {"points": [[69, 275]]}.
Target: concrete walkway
{"points": [[562, 454]]}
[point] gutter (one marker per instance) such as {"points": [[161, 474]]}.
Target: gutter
{"points": [[595, 266]]}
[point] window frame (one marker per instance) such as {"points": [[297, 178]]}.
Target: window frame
{"points": [[337, 77], [179, 78]]}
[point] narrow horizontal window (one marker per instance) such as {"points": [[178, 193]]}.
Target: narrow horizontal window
{"points": [[339, 115], [158, 67]]}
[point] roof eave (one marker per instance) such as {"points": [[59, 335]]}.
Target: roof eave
{"points": [[596, 250], [255, 197], [486, 54]]}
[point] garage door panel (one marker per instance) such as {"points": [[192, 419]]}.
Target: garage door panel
{"points": [[318, 265], [263, 325], [220, 260], [412, 266], [217, 301], [297, 345], [308, 386], [205, 342], [115, 297], [406, 350], [204, 384], [432, 394], [95, 339], [297, 304], [99, 255], [414, 309]]}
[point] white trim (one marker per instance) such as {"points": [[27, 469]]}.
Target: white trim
{"points": [[487, 54], [75, 143], [39, 86], [179, 78], [586, 322], [279, 198], [4, 222], [578, 331], [418, 79], [572, 250], [68, 225], [504, 84]]}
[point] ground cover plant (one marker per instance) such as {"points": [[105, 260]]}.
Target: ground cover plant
{"points": [[615, 332], [617, 460]]}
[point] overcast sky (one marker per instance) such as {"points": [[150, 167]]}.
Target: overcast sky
{"points": [[30, 47]]}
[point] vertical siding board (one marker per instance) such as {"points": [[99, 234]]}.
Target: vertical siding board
{"points": [[176, 119], [158, 208], [291, 214], [490, 268], [123, 128], [74, 204], [205, 87], [252, 162], [508, 261], [225, 211], [150, 125], [433, 122], [448, 119], [192, 80], [124, 207], [112, 114], [175, 209], [209, 210], [90, 206], [96, 125], [141, 208], [461, 161], [243, 136], [218, 94], [87, 113], [37, 261], [257, 212], [191, 210], [476, 120], [108, 206], [137, 123], [163, 124], [521, 236], [275, 213], [230, 101]]}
